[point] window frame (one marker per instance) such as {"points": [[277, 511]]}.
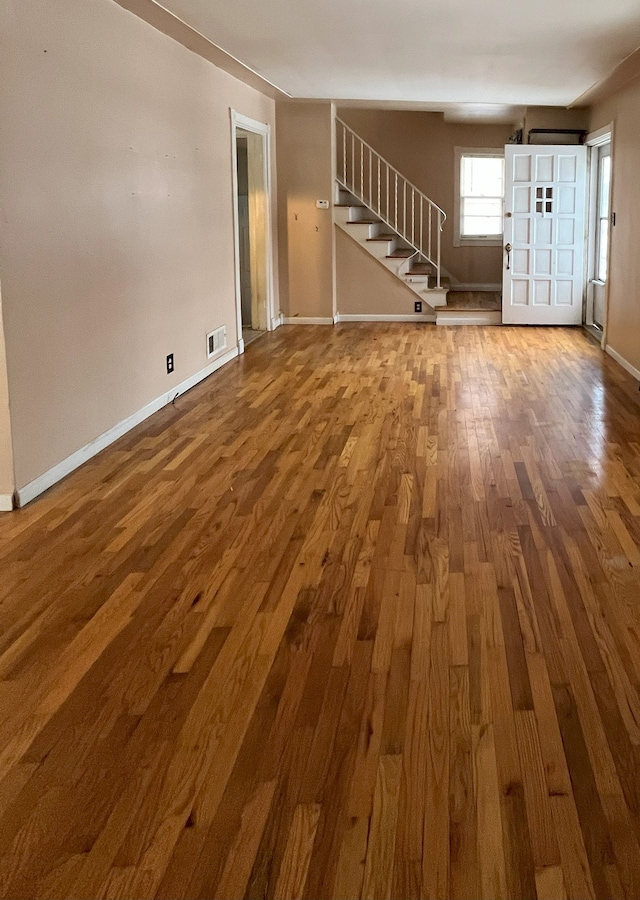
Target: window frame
{"points": [[475, 240]]}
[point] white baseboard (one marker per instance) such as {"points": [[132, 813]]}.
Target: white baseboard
{"points": [[276, 321], [30, 491], [307, 320], [623, 362], [475, 287], [358, 317], [6, 502]]}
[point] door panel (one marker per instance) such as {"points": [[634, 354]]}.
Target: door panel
{"points": [[543, 274]]}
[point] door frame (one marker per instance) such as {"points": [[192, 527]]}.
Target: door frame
{"points": [[594, 140], [243, 123]]}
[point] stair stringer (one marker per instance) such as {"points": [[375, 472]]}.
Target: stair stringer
{"points": [[365, 233]]}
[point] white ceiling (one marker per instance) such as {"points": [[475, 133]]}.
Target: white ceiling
{"points": [[434, 52]]}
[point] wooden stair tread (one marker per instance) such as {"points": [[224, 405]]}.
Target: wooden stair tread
{"points": [[422, 275]]}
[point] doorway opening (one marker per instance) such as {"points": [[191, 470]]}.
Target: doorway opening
{"points": [[250, 146], [599, 233]]}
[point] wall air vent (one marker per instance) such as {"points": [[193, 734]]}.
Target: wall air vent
{"points": [[216, 341]]}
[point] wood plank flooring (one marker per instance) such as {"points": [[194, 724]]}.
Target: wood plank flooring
{"points": [[475, 300], [359, 616]]}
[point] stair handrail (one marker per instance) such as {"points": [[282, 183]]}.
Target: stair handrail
{"points": [[412, 235], [392, 167]]}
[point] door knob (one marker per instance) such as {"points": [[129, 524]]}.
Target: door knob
{"points": [[508, 249]]}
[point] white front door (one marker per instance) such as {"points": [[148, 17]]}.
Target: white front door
{"points": [[544, 235]]}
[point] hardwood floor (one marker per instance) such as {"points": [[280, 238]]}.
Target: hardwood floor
{"points": [[359, 616]]}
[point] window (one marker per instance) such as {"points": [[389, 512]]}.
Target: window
{"points": [[479, 196], [602, 238]]}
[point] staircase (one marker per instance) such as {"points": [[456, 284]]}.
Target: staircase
{"points": [[390, 218]]}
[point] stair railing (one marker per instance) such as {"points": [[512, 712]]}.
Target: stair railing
{"points": [[387, 193]]}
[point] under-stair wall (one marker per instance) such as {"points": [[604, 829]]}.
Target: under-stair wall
{"points": [[366, 290]]}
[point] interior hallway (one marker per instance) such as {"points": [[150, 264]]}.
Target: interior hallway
{"points": [[358, 616]]}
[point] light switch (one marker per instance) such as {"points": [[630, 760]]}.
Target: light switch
{"points": [[322, 204]]}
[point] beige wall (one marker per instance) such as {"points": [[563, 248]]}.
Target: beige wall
{"points": [[555, 117], [421, 145], [305, 174], [117, 239], [6, 450], [365, 286], [623, 321]]}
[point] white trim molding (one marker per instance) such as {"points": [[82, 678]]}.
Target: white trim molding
{"points": [[602, 135], [238, 121], [36, 487], [6, 502], [155, 13], [623, 362], [596, 139], [361, 317], [307, 320]]}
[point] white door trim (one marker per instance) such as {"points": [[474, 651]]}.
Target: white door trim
{"points": [[594, 140], [601, 136], [238, 121]]}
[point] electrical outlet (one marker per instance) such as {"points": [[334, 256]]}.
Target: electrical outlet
{"points": [[417, 306], [170, 364]]}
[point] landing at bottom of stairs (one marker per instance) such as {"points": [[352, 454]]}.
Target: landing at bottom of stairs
{"points": [[471, 308]]}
